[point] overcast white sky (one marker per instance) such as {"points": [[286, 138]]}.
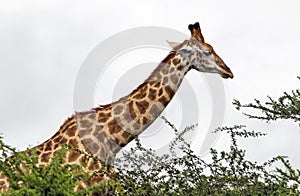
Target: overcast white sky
{"points": [[43, 43]]}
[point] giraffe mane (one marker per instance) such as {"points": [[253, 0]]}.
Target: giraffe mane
{"points": [[166, 60]]}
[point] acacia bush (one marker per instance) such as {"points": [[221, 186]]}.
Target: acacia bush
{"points": [[57, 178], [140, 171], [287, 107], [227, 173]]}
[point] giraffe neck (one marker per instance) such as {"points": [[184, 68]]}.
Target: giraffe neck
{"points": [[149, 100], [106, 129]]}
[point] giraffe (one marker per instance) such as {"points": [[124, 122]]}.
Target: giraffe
{"points": [[103, 131]]}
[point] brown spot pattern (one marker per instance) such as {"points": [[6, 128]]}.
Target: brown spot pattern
{"points": [[140, 94], [92, 115], [85, 123], [157, 85], [125, 134], [118, 109], [176, 61], [154, 111], [71, 131], [83, 132], [127, 116], [165, 80], [55, 146], [169, 57], [100, 135], [57, 139], [73, 156], [63, 140], [90, 145], [113, 127], [164, 71], [38, 152], [180, 67], [142, 106], [152, 94], [96, 180], [48, 145], [160, 92], [103, 117], [74, 143], [145, 121], [94, 166], [136, 126], [131, 110], [69, 122], [164, 101], [174, 79], [45, 157], [111, 144], [169, 91]]}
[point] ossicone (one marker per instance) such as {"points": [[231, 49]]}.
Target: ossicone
{"points": [[196, 31]]}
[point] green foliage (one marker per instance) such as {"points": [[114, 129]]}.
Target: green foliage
{"points": [[56, 178], [142, 171], [227, 173], [286, 107]]}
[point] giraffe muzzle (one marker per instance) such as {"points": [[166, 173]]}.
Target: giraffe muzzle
{"points": [[224, 75], [227, 73]]}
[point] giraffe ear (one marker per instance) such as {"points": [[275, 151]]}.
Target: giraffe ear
{"points": [[173, 44]]}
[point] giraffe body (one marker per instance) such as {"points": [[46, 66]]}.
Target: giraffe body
{"points": [[104, 130]]}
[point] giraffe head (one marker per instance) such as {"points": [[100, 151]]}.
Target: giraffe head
{"points": [[200, 55]]}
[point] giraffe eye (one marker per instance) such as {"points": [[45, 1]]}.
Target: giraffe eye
{"points": [[207, 52]]}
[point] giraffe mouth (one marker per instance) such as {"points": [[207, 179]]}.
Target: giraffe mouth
{"points": [[227, 75], [225, 72]]}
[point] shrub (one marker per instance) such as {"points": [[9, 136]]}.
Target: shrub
{"points": [[141, 171]]}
